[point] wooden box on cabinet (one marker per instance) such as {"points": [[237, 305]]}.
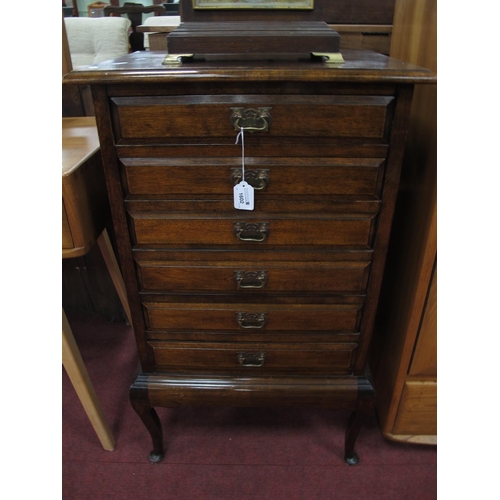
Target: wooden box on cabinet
{"points": [[273, 306]]}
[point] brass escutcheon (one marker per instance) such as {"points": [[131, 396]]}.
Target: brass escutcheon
{"points": [[251, 358], [250, 279], [251, 231], [258, 179], [252, 120], [251, 320]]}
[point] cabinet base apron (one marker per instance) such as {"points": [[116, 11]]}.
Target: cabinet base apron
{"points": [[168, 390]]}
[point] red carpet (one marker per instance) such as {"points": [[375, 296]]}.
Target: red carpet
{"points": [[222, 453]]}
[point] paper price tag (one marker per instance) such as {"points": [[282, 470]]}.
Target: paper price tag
{"points": [[243, 196]]}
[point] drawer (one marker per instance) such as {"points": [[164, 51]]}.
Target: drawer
{"points": [[253, 317], [204, 117], [245, 277], [274, 176], [334, 358], [351, 230]]}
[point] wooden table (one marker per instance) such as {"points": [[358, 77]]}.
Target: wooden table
{"points": [[85, 213]]}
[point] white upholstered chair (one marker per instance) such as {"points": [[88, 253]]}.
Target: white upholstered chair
{"points": [[93, 40]]}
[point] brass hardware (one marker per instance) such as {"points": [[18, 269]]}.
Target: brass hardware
{"points": [[251, 231], [251, 321], [176, 59], [251, 358], [330, 58], [250, 279], [258, 179], [252, 120]]}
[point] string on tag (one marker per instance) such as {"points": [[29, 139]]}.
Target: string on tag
{"points": [[243, 193], [242, 135]]}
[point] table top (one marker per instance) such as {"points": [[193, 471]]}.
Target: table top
{"points": [[79, 142], [147, 67]]}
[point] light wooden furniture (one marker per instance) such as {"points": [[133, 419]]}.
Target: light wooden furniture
{"points": [[85, 213], [405, 361], [273, 306]]}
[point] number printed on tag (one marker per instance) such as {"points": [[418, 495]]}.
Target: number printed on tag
{"points": [[243, 196]]}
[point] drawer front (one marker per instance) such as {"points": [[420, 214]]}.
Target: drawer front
{"points": [[255, 229], [244, 277], [254, 357], [280, 176], [253, 317], [204, 117]]}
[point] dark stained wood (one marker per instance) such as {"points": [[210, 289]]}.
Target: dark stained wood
{"points": [[119, 219], [391, 183], [256, 37], [258, 146], [201, 339], [249, 277], [171, 390], [251, 254], [348, 230], [360, 67], [340, 318], [273, 207], [339, 11], [364, 407], [140, 402], [323, 176], [290, 116], [376, 37], [254, 358]]}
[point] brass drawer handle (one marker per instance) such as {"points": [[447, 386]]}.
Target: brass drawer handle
{"points": [[258, 179], [251, 231], [251, 358], [251, 320], [250, 279], [252, 120]]}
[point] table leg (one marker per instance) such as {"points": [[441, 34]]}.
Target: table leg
{"points": [[114, 270], [75, 368]]}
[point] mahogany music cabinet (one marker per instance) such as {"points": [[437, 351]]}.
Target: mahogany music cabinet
{"points": [[271, 306]]}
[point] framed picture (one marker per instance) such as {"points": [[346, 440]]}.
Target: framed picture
{"points": [[253, 4]]}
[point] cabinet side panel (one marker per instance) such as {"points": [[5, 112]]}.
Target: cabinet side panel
{"points": [[418, 409], [424, 362]]}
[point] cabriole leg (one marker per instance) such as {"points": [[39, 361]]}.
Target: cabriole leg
{"points": [[149, 417], [364, 408]]}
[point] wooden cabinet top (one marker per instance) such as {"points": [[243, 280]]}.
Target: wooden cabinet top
{"points": [[148, 67]]}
